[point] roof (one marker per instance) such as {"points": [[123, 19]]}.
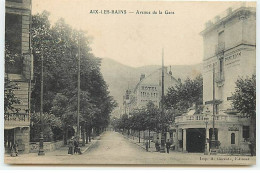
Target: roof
{"points": [[225, 16]]}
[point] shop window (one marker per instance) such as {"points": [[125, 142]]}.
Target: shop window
{"points": [[233, 138], [246, 132]]}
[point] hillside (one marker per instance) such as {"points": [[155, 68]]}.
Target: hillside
{"points": [[119, 77]]}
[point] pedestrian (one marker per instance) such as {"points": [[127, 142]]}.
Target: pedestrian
{"points": [[168, 145], [76, 146], [157, 145], [146, 145], [14, 150], [71, 146]]}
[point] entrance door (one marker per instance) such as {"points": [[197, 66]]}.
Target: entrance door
{"points": [[195, 140], [8, 139]]}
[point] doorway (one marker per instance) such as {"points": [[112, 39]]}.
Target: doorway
{"points": [[195, 140]]}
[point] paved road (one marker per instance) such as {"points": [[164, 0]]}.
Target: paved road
{"points": [[114, 148]]}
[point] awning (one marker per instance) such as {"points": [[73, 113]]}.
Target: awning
{"points": [[13, 127]]}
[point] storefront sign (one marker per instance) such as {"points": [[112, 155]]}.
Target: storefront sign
{"points": [[233, 129]]}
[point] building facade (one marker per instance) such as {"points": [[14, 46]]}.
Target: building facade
{"points": [[229, 53], [149, 89], [18, 72]]}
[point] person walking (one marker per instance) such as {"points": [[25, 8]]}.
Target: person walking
{"points": [[71, 146], [157, 145], [168, 145], [146, 145]]}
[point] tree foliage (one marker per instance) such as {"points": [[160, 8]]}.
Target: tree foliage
{"points": [[244, 97], [60, 46], [147, 118], [185, 95]]}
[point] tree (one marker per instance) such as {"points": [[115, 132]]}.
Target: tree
{"points": [[244, 101], [185, 95], [9, 97], [59, 45]]}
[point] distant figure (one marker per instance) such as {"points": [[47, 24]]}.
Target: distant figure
{"points": [[71, 146], [76, 146], [157, 145], [168, 145], [146, 145], [14, 150]]}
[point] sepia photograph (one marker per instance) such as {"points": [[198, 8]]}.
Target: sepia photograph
{"points": [[129, 83]]}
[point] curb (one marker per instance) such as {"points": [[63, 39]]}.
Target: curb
{"points": [[136, 144], [92, 143]]}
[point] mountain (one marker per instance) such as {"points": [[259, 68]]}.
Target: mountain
{"points": [[119, 77]]}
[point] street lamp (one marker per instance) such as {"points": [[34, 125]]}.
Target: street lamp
{"points": [[41, 151], [206, 120]]}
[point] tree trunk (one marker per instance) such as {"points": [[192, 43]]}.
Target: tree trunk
{"points": [[83, 135], [65, 136], [149, 138], [89, 135], [86, 136], [144, 135], [139, 136]]}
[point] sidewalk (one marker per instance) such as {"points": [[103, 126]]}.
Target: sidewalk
{"points": [[141, 144], [63, 151]]}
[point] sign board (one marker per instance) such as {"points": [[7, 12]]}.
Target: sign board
{"points": [[233, 129]]}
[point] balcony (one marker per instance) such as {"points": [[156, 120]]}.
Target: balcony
{"points": [[199, 119], [220, 48], [16, 120], [219, 79]]}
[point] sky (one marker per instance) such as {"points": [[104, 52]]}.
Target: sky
{"points": [[138, 39]]}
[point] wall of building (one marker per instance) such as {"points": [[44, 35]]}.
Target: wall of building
{"points": [[150, 88], [239, 58], [22, 137]]}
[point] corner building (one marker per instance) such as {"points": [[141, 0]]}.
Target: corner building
{"points": [[17, 36], [230, 49]]}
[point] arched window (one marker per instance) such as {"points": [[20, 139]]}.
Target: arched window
{"points": [[233, 138]]}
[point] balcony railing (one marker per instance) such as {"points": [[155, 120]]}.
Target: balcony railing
{"points": [[200, 118], [16, 119], [220, 48], [219, 77]]}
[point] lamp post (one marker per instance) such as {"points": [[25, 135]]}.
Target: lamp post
{"points": [[206, 120], [41, 151], [213, 138]]}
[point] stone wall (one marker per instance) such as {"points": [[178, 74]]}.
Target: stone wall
{"points": [[47, 146]]}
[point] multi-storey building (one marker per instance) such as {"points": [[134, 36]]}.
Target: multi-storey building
{"points": [[230, 51], [19, 71], [149, 88]]}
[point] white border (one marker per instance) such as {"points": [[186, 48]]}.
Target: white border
{"points": [[118, 169]]}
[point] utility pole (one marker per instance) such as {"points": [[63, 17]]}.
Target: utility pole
{"points": [[162, 149], [78, 108], [213, 139], [41, 151]]}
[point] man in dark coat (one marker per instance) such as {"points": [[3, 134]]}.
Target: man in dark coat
{"points": [[168, 145], [71, 146]]}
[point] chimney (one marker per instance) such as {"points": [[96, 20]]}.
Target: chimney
{"points": [[229, 11], [216, 19], [208, 24], [142, 77]]}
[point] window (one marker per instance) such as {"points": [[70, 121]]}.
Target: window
{"points": [[221, 37], [233, 138], [13, 35], [20, 1], [246, 132]]}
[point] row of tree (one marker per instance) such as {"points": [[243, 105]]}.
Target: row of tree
{"points": [[60, 47], [177, 100]]}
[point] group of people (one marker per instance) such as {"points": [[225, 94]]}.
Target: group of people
{"points": [[74, 146], [168, 145]]}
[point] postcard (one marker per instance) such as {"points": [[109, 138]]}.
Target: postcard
{"points": [[116, 82]]}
